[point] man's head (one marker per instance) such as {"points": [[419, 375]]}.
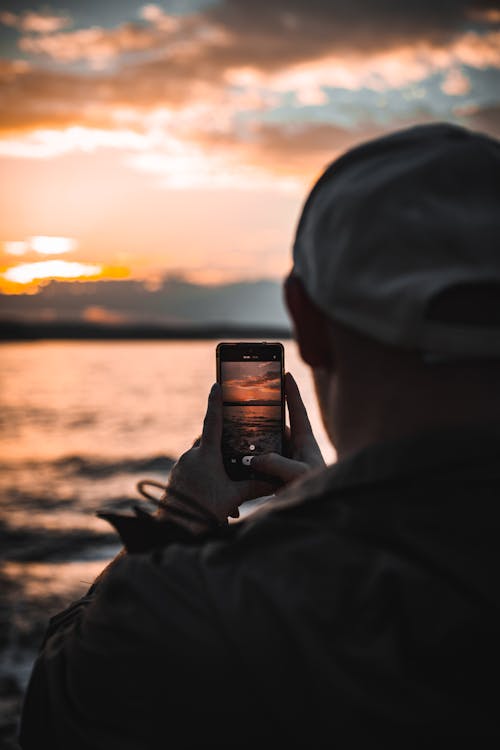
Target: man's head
{"points": [[397, 268]]}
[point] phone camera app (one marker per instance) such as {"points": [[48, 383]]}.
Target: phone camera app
{"points": [[252, 407]]}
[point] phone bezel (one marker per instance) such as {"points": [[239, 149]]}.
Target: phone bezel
{"points": [[237, 350]]}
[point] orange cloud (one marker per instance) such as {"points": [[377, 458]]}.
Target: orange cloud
{"points": [[201, 72], [176, 109], [251, 380], [97, 314], [487, 15], [292, 153], [26, 273], [36, 23], [27, 278], [47, 143], [486, 119], [41, 244], [384, 69], [36, 99], [96, 45], [455, 83], [157, 17]]}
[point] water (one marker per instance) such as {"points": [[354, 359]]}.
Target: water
{"points": [[255, 429], [80, 424]]}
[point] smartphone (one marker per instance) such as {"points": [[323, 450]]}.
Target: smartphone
{"points": [[251, 375]]}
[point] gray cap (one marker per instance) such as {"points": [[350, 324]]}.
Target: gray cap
{"points": [[398, 223]]}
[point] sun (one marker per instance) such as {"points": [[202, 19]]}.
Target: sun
{"points": [[25, 273], [26, 278]]}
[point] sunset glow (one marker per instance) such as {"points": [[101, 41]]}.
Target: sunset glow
{"points": [[52, 245], [16, 247], [54, 269], [181, 138], [251, 381], [41, 244]]}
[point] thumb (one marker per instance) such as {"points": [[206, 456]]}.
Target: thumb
{"points": [[212, 424]]}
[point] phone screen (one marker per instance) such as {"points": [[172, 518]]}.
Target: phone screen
{"points": [[251, 377]]}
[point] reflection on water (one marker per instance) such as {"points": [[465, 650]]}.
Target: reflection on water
{"points": [[252, 428], [31, 593], [127, 398], [41, 580], [113, 400], [80, 424]]}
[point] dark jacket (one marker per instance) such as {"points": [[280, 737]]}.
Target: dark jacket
{"points": [[363, 603]]}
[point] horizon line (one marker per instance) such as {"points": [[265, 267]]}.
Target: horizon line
{"points": [[12, 329]]}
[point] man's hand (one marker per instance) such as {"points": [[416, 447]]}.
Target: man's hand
{"points": [[199, 474], [303, 450]]}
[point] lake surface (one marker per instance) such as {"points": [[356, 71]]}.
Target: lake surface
{"points": [[80, 424], [252, 429]]}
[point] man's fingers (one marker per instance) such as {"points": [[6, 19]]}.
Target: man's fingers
{"points": [[278, 466], [212, 424], [299, 421]]}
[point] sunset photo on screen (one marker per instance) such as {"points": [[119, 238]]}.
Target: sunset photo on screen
{"points": [[252, 407]]}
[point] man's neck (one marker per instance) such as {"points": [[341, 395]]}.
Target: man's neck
{"points": [[372, 416]]}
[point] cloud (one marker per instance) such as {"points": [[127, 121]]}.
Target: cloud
{"points": [[35, 22], [184, 97], [16, 247], [265, 37], [382, 70], [99, 46], [484, 119], [485, 14], [11, 69], [46, 143], [41, 244], [191, 166], [274, 35], [269, 379], [173, 300], [25, 273], [297, 150], [158, 18], [34, 97], [98, 314], [250, 376], [455, 83], [96, 45]]}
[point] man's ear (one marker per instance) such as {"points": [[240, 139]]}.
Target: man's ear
{"points": [[310, 323]]}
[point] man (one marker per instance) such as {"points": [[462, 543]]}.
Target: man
{"points": [[360, 602]]}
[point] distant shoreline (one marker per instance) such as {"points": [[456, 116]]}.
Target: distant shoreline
{"points": [[15, 330]]}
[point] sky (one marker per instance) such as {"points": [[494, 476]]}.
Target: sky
{"points": [[145, 141], [244, 381]]}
